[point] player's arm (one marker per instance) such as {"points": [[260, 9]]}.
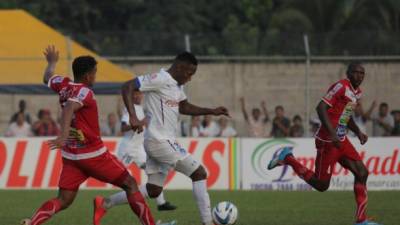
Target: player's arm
{"points": [[187, 108], [356, 130], [128, 88], [51, 55], [66, 118], [243, 106], [125, 127], [322, 111], [265, 111]]}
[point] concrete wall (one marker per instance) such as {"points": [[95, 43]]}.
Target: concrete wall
{"points": [[224, 83]]}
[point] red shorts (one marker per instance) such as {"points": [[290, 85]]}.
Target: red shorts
{"points": [[105, 167], [328, 155]]}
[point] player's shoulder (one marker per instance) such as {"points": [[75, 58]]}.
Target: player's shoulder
{"points": [[83, 92]]}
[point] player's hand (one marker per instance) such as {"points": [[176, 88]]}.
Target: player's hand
{"points": [[137, 125], [362, 137], [336, 141], [51, 54], [57, 143], [220, 111]]}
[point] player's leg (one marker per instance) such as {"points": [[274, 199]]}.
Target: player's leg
{"points": [[70, 179], [327, 157], [193, 169], [108, 168], [352, 161]]}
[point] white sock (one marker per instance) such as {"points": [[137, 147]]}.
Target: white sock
{"points": [[160, 199], [143, 191], [203, 200], [115, 199]]}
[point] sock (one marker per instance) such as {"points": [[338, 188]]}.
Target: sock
{"points": [[300, 170], [143, 191], [203, 200], [115, 199], [160, 199], [360, 191], [47, 210], [140, 208]]}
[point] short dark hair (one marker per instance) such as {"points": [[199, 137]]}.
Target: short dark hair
{"points": [[82, 65], [279, 107], [186, 57], [297, 117], [352, 65], [383, 104]]}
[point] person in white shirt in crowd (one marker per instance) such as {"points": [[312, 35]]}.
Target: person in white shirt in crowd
{"points": [[131, 150], [196, 129], [19, 128], [225, 129], [111, 127], [383, 122], [164, 101], [256, 122], [210, 127], [361, 118]]}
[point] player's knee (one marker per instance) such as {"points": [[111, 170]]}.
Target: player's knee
{"points": [[153, 190], [199, 174], [362, 175], [322, 187], [130, 185]]}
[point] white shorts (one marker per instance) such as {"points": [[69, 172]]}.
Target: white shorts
{"points": [[129, 152], [164, 155]]}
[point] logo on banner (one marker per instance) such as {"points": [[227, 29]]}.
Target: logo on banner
{"points": [[264, 152]]}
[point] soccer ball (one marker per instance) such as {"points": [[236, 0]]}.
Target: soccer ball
{"points": [[225, 213]]}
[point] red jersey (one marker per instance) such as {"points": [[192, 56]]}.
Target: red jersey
{"points": [[342, 99], [84, 140]]}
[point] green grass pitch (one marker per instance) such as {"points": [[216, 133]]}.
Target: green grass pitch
{"points": [[255, 207]]}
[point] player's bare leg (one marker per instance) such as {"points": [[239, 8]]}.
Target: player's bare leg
{"points": [[51, 207]]}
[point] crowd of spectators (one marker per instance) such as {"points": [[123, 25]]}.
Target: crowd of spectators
{"points": [[259, 123]]}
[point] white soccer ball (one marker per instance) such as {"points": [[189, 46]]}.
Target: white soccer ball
{"points": [[225, 213]]}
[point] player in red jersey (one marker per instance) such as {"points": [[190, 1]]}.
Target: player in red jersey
{"points": [[335, 111], [83, 151]]}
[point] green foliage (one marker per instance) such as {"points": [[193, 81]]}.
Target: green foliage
{"points": [[224, 27]]}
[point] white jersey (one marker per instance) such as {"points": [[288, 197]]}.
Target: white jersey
{"points": [[162, 95]]}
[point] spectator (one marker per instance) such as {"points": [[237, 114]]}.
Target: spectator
{"points": [[225, 130], [210, 128], [112, 127], [19, 128], [45, 126], [383, 122], [280, 124], [315, 123], [396, 128], [22, 108], [360, 117], [256, 122], [297, 130], [196, 130]]}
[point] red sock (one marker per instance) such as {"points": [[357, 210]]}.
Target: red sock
{"points": [[360, 191], [140, 208], [47, 210], [300, 170]]}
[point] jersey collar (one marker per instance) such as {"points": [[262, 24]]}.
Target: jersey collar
{"points": [[163, 70]]}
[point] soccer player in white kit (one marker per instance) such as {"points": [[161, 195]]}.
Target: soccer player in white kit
{"points": [[130, 150], [163, 102]]}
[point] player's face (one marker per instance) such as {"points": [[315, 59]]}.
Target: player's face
{"points": [[186, 71], [356, 76], [256, 113], [91, 77]]}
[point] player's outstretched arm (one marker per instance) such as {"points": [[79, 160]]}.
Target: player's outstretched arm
{"points": [[356, 130], [128, 88], [51, 55], [187, 108], [322, 110], [66, 118]]}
